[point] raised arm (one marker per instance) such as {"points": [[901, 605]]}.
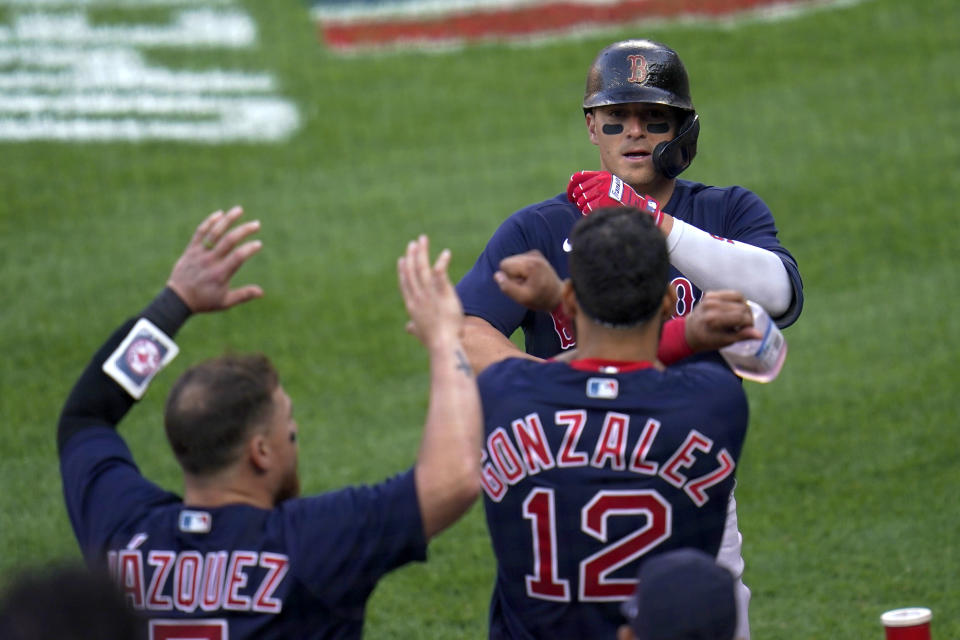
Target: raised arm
{"points": [[484, 345], [719, 263], [709, 261], [721, 318], [447, 471], [199, 282]]}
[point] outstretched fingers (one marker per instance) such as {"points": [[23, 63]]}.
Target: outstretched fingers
{"points": [[440, 266], [234, 256], [202, 275], [429, 297], [241, 295], [421, 262], [410, 284], [204, 228], [232, 264], [219, 226]]}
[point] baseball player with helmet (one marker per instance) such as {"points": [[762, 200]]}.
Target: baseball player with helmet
{"points": [[640, 115], [681, 595], [599, 460], [241, 555]]}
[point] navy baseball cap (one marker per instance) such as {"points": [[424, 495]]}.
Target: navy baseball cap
{"points": [[682, 595]]}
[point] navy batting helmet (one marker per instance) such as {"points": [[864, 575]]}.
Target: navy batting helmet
{"points": [[647, 71]]}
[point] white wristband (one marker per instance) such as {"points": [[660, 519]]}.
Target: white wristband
{"points": [[140, 356]]}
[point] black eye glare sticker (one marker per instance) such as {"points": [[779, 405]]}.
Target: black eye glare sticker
{"points": [[653, 127]]}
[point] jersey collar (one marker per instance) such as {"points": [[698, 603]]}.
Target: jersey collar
{"points": [[600, 365]]}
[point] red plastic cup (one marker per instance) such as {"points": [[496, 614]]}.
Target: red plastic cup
{"points": [[907, 624]]}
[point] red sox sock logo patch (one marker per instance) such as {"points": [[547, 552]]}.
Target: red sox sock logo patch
{"points": [[142, 354], [143, 357]]}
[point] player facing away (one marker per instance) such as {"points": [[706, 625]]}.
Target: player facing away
{"points": [[640, 115], [241, 555], [593, 465]]}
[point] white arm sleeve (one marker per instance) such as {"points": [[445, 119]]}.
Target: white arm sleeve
{"points": [[717, 263]]}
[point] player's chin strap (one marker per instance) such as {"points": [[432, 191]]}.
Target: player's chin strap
{"points": [[671, 158]]}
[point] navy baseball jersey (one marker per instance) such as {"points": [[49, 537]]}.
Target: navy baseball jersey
{"points": [[730, 212], [303, 569], [592, 466]]}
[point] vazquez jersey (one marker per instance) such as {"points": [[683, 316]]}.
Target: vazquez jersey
{"points": [[589, 467], [303, 569]]}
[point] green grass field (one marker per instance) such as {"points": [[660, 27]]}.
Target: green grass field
{"points": [[844, 120]]}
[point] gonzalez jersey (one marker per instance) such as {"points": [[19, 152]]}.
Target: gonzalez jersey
{"points": [[303, 569], [590, 467], [729, 212]]}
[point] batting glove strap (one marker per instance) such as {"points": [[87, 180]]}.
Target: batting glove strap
{"points": [[591, 190]]}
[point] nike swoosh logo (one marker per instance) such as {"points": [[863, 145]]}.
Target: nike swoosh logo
{"points": [[567, 246]]}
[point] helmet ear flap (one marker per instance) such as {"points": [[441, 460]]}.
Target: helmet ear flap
{"points": [[671, 158]]}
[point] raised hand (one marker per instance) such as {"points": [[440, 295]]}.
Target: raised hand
{"points": [[202, 274], [436, 314]]}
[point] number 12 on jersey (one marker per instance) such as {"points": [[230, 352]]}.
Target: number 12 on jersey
{"points": [[594, 584]]}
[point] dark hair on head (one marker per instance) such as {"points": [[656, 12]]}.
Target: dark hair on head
{"points": [[67, 601], [215, 406], [619, 266]]}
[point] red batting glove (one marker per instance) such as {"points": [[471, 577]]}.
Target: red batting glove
{"points": [[591, 190]]}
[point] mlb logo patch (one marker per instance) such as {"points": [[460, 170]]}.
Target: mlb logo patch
{"points": [[195, 522], [605, 388], [142, 354]]}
